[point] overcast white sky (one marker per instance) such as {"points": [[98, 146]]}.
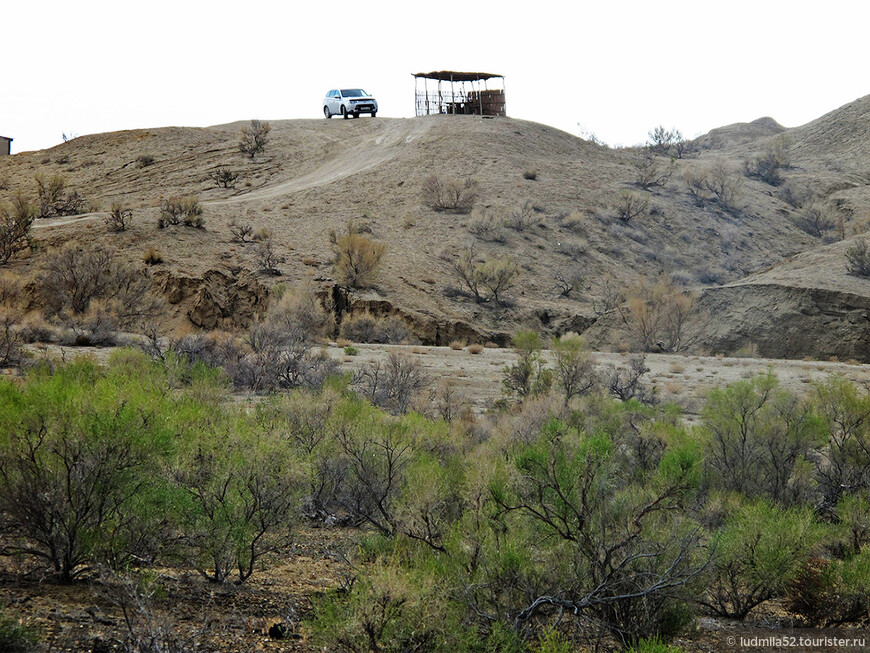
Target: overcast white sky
{"points": [[616, 68]]}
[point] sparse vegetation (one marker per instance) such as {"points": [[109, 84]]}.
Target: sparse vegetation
{"points": [[181, 210], [523, 217], [357, 257], [486, 279], [241, 231], [651, 171], [266, 256], [224, 177], [631, 204], [656, 316], [716, 183], [119, 218], [145, 160], [16, 221], [53, 199], [667, 142], [85, 282], [858, 258], [253, 138], [815, 219], [152, 256], [451, 195], [365, 327], [487, 225]]}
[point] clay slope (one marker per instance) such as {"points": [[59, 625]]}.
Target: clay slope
{"points": [[808, 306], [316, 175]]}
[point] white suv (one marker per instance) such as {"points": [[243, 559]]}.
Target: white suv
{"points": [[349, 102]]}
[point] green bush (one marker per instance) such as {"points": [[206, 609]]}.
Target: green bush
{"points": [[829, 593], [760, 438], [16, 637], [78, 449], [757, 555]]}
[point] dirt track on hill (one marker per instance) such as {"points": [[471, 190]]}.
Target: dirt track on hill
{"points": [[372, 150]]}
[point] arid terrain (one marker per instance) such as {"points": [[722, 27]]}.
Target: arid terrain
{"points": [[759, 274], [763, 260]]}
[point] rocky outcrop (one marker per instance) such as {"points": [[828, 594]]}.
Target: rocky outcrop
{"points": [[218, 300], [784, 321], [429, 329]]}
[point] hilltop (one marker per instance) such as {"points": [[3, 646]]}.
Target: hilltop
{"points": [[316, 175]]}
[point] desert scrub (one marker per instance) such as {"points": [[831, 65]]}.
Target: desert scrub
{"points": [[119, 217], [152, 256], [858, 258], [357, 257], [181, 210], [365, 327], [448, 194], [254, 137], [224, 177], [16, 221], [53, 198]]}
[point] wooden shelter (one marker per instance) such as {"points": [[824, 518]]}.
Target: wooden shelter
{"points": [[5, 145], [449, 91]]}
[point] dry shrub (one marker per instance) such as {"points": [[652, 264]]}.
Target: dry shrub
{"points": [[815, 219], [267, 257], [53, 198], [630, 204], [523, 217], [81, 274], [475, 349], [484, 280], [298, 310], [253, 138], [119, 218], [393, 384], [487, 225], [241, 232], [456, 345], [16, 221], [152, 256], [858, 259], [716, 183], [651, 171], [11, 337], [224, 177], [452, 195], [357, 258], [365, 327], [656, 316], [181, 210]]}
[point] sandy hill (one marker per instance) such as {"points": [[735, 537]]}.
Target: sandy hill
{"points": [[315, 175]]}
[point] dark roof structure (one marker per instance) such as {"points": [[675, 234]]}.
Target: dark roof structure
{"points": [[454, 76]]}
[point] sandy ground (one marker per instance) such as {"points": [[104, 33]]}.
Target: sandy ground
{"points": [[681, 379]]}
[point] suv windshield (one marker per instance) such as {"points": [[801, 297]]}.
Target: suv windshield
{"points": [[353, 92]]}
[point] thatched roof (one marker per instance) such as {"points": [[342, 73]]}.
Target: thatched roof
{"points": [[453, 76]]}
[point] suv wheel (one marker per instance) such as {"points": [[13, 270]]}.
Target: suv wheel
{"points": [[374, 113], [344, 112], [326, 113]]}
